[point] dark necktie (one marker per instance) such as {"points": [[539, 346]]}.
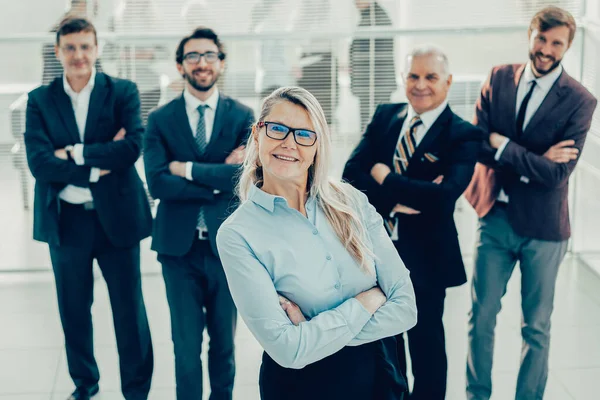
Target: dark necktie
{"points": [[201, 143], [523, 109], [404, 151]]}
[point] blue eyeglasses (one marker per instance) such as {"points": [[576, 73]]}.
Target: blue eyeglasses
{"points": [[278, 131]]}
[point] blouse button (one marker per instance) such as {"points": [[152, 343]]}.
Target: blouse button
{"points": [[328, 258], [315, 232], [337, 285]]}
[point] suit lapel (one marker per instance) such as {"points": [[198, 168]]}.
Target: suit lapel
{"points": [[510, 91], [221, 113], [96, 105], [65, 109], [394, 128], [549, 102], [182, 125], [432, 134]]}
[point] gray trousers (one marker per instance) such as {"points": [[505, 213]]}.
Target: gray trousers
{"points": [[498, 250]]}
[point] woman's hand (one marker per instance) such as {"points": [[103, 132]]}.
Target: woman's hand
{"points": [[293, 311], [371, 299]]}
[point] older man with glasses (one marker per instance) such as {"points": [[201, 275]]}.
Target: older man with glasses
{"points": [[414, 161], [193, 149]]}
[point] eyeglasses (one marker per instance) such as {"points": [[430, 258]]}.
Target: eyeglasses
{"points": [[71, 49], [210, 57], [277, 131]]}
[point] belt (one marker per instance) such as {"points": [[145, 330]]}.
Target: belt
{"points": [[87, 206], [202, 234]]}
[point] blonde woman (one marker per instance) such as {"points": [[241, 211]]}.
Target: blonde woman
{"points": [[310, 266]]}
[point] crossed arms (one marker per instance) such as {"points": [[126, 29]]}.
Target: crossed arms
{"points": [[175, 180]]}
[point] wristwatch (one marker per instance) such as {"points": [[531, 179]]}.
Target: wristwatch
{"points": [[68, 150]]}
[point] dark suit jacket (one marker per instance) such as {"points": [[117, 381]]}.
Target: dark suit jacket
{"points": [[169, 138], [119, 197], [428, 242], [538, 208]]}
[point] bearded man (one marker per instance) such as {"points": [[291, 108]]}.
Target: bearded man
{"points": [[535, 117], [193, 148]]}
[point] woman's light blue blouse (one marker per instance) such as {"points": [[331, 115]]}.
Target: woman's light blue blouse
{"points": [[267, 248]]}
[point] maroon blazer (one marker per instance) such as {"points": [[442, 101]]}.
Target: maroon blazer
{"points": [[538, 206]]}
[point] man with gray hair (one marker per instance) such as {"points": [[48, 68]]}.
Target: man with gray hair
{"points": [[414, 161]]}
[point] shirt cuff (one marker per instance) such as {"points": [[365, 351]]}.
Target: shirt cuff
{"points": [[355, 314], [188, 171], [95, 175], [501, 149], [78, 154]]}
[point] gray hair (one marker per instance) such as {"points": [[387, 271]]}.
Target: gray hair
{"points": [[429, 50]]}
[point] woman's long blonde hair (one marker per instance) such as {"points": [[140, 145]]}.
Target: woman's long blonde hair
{"points": [[338, 200]]}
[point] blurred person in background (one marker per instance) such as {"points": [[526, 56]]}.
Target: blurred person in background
{"points": [[536, 118], [193, 149], [317, 65], [138, 61], [372, 69], [83, 135], [276, 56]]}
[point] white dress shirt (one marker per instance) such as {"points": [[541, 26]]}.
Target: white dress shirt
{"points": [[80, 102], [543, 86], [191, 108], [428, 118]]}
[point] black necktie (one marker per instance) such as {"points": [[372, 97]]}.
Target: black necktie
{"points": [[523, 109]]}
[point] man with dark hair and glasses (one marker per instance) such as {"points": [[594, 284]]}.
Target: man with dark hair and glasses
{"points": [[83, 136], [193, 149]]}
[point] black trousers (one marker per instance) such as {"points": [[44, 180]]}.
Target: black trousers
{"points": [[199, 297], [427, 345], [82, 241], [367, 372]]}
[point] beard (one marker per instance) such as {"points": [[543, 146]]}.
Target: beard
{"points": [[199, 86], [555, 63]]}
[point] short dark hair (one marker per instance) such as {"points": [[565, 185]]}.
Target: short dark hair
{"points": [[200, 33], [552, 17], [75, 25]]}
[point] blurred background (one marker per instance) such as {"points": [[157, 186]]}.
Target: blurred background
{"points": [[350, 54]]}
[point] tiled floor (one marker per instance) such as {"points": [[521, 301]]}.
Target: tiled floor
{"points": [[33, 366]]}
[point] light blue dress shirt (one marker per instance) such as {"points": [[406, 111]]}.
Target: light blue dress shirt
{"points": [[267, 248]]}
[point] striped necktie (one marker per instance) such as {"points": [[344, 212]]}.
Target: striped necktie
{"points": [[404, 151], [201, 143]]}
